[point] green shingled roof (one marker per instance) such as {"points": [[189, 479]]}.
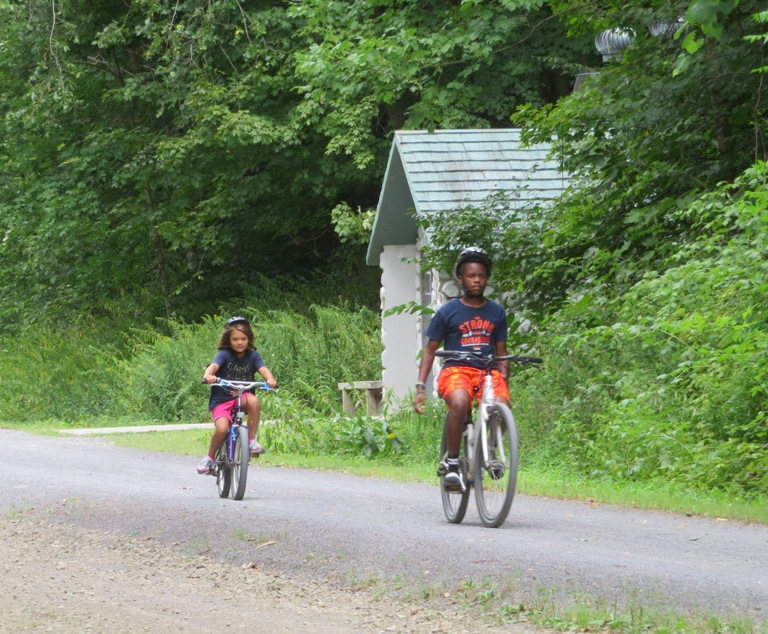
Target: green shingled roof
{"points": [[448, 169]]}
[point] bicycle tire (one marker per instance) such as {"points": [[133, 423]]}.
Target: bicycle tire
{"points": [[224, 474], [240, 460], [496, 473], [454, 502]]}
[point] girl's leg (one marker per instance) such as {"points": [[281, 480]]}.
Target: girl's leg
{"points": [[221, 427], [220, 431], [253, 412]]}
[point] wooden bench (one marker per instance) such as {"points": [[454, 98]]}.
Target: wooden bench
{"points": [[374, 391]]}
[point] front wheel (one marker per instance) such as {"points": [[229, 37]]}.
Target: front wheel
{"points": [[454, 502], [242, 455], [495, 466], [224, 473]]}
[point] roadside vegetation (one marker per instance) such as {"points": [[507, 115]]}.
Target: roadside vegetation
{"points": [[96, 375]]}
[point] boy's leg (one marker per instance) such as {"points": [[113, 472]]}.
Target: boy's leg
{"points": [[454, 384], [458, 402], [500, 389]]}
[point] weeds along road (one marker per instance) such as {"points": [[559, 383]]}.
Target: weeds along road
{"points": [[341, 530]]}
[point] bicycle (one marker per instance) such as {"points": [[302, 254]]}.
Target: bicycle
{"points": [[234, 454], [489, 457]]}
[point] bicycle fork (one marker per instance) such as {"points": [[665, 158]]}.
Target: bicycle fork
{"points": [[495, 447]]}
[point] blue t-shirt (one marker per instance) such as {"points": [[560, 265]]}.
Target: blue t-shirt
{"points": [[461, 327], [233, 369]]}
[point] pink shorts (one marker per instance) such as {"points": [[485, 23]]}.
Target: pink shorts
{"points": [[224, 410]]}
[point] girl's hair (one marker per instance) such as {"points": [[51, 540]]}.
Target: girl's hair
{"points": [[242, 326]]}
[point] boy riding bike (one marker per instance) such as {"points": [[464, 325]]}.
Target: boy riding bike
{"points": [[469, 323]]}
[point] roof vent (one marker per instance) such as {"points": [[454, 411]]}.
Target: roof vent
{"points": [[667, 29], [612, 42]]}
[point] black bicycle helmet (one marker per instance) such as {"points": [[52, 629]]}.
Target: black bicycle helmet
{"points": [[237, 320], [472, 254]]}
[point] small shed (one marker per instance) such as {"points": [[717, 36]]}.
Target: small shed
{"points": [[439, 171]]}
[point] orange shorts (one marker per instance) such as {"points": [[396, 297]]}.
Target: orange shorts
{"points": [[457, 377]]}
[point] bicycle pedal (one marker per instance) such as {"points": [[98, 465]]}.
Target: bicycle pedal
{"points": [[496, 471]]}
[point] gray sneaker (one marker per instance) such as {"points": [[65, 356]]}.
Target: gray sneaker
{"points": [[454, 480], [206, 466]]}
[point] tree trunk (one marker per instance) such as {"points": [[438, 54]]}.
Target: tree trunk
{"points": [[157, 241]]}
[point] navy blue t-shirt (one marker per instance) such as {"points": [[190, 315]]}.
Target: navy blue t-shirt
{"points": [[461, 327], [233, 369]]}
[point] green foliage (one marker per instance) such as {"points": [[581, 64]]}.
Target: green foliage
{"points": [[368, 68], [668, 381], [336, 435], [155, 154], [353, 227], [509, 230], [158, 156], [309, 355], [641, 143]]}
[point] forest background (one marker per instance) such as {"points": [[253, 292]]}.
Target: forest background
{"points": [[164, 165]]}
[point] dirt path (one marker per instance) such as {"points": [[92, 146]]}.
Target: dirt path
{"points": [[66, 579]]}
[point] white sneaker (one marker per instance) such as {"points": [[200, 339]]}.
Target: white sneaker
{"points": [[206, 466], [454, 480]]}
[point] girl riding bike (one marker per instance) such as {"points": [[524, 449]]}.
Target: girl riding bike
{"points": [[236, 360]]}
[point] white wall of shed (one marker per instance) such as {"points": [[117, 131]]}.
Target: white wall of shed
{"points": [[400, 284]]}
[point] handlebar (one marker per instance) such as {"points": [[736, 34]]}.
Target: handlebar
{"points": [[243, 386], [487, 360]]}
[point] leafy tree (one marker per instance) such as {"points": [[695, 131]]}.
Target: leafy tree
{"points": [[159, 155], [154, 149], [371, 67], [645, 136]]}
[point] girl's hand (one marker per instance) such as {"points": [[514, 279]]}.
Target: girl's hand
{"points": [[210, 379], [272, 383]]}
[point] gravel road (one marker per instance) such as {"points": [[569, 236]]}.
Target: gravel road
{"points": [[97, 537]]}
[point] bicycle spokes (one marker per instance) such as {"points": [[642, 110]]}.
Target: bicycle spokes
{"points": [[496, 467]]}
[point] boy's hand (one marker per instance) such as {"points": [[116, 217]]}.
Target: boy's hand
{"points": [[419, 404]]}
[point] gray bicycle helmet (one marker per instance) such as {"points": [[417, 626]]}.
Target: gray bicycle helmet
{"points": [[237, 320], [472, 254]]}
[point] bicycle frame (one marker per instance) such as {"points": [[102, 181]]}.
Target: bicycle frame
{"points": [[237, 421], [479, 424]]}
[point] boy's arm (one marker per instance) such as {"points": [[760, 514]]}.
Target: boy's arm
{"points": [[501, 351], [425, 367]]}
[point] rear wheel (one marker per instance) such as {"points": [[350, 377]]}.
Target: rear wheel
{"points": [[454, 502], [496, 469], [240, 459], [224, 473]]}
